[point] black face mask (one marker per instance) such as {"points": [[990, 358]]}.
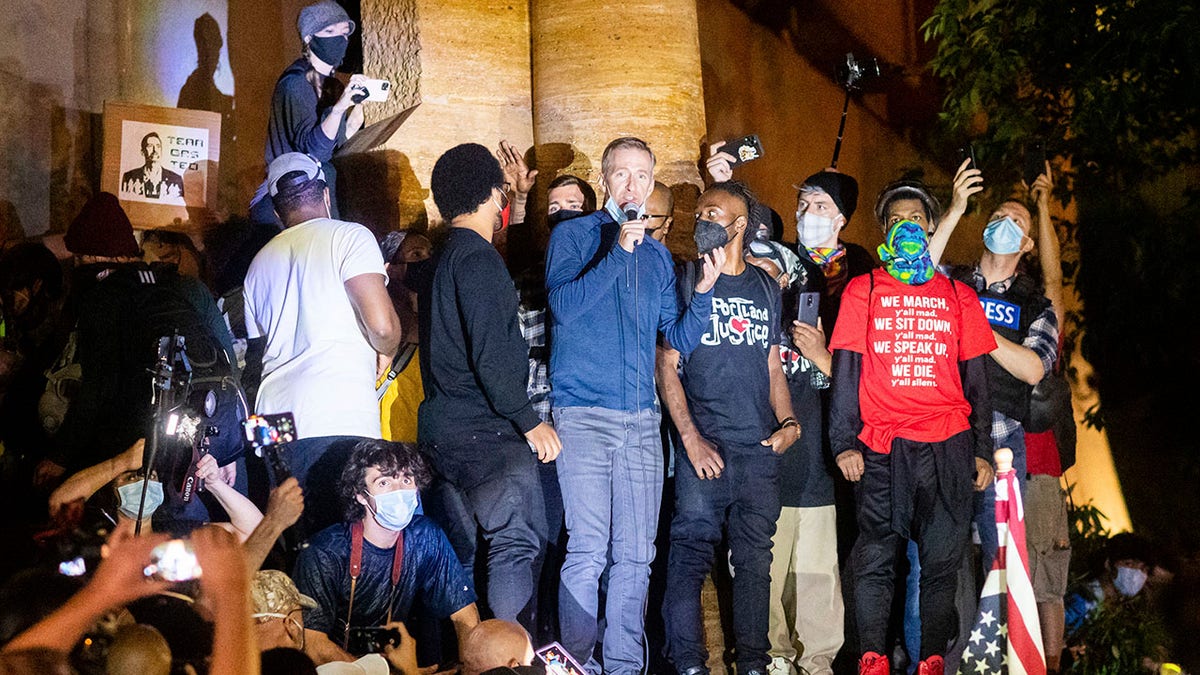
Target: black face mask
{"points": [[331, 50], [709, 236], [561, 215]]}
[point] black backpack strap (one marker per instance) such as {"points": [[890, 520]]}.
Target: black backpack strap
{"points": [[399, 363]]}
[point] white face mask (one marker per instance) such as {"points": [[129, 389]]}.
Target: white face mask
{"points": [[813, 230], [1129, 581], [394, 510]]}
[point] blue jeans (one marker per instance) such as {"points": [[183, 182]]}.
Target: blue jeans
{"points": [[746, 498], [985, 502], [504, 506], [611, 472]]}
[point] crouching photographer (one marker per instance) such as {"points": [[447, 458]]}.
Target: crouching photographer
{"points": [[367, 572]]}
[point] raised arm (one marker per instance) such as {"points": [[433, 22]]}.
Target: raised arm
{"points": [[966, 183], [571, 291], [85, 483], [244, 516], [1049, 253]]}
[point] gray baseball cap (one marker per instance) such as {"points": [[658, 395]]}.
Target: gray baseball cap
{"points": [[291, 162]]}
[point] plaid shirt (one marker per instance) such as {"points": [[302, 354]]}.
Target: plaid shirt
{"points": [[1042, 339], [533, 329]]}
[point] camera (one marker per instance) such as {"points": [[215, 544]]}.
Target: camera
{"points": [[852, 73], [371, 639]]}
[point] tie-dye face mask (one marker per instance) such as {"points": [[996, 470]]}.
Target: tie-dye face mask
{"points": [[905, 253]]}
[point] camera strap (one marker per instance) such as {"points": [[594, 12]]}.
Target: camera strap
{"points": [[356, 552]]}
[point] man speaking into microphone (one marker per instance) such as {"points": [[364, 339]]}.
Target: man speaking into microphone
{"points": [[611, 291]]}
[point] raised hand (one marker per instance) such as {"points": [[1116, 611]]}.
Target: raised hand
{"points": [[518, 174], [713, 262], [719, 164]]}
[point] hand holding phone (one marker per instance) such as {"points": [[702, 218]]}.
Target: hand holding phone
{"points": [[173, 561], [372, 639], [966, 152], [808, 307], [377, 90], [1035, 161], [744, 149]]}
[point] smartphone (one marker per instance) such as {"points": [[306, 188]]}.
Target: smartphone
{"points": [[744, 149], [264, 431], [1035, 161], [967, 152], [173, 561], [558, 661], [378, 90], [808, 308], [371, 639]]}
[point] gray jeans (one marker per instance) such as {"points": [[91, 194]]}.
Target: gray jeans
{"points": [[611, 473]]}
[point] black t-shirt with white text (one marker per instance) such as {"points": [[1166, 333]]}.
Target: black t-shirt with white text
{"points": [[726, 378]]}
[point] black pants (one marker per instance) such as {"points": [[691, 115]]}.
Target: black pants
{"points": [[922, 490], [487, 486]]}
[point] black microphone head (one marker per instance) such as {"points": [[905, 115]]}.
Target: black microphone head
{"points": [[631, 214]]}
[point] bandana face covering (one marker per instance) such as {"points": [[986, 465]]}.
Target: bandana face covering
{"points": [[905, 253]]}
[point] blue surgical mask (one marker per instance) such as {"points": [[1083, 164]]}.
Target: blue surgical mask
{"points": [[1129, 580], [131, 495], [1003, 236], [618, 213], [394, 510]]}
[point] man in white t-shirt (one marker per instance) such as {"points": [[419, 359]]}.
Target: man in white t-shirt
{"points": [[318, 312]]}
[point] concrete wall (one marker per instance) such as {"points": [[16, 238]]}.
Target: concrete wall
{"points": [[65, 58], [755, 82]]}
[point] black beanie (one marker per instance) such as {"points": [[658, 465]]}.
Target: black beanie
{"points": [[841, 188], [102, 229], [463, 178]]}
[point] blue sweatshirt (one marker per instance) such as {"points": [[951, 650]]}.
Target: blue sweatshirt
{"points": [[600, 355]]}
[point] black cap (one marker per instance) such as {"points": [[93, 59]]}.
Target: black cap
{"points": [[841, 188]]}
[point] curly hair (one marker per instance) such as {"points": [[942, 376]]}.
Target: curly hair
{"points": [[391, 459]]}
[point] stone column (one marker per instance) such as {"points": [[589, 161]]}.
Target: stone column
{"points": [[466, 64], [604, 70]]}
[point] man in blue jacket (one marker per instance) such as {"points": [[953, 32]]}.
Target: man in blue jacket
{"points": [[611, 291]]}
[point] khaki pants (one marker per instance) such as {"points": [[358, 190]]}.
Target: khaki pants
{"points": [[807, 615]]}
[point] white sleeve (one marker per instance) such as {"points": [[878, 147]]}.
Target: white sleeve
{"points": [[357, 253]]}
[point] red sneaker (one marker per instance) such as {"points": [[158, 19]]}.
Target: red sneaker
{"points": [[931, 666], [876, 664]]}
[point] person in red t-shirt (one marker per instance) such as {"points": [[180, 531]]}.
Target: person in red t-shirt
{"points": [[910, 422]]}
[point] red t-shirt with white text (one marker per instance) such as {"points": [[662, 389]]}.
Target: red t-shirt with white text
{"points": [[912, 339]]}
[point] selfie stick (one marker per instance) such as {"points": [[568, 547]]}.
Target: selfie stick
{"points": [[837, 148]]}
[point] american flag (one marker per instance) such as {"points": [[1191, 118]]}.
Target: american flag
{"points": [[1007, 637]]}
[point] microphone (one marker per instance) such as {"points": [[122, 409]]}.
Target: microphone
{"points": [[631, 214]]}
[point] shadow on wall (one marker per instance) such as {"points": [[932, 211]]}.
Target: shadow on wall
{"points": [[380, 190], [200, 92]]}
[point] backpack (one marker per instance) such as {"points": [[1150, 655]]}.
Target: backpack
{"points": [[214, 396], [1050, 409]]}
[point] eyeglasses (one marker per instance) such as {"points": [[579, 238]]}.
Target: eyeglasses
{"points": [[503, 197]]}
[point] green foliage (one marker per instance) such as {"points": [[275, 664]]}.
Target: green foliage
{"points": [[1108, 85], [1118, 636]]}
